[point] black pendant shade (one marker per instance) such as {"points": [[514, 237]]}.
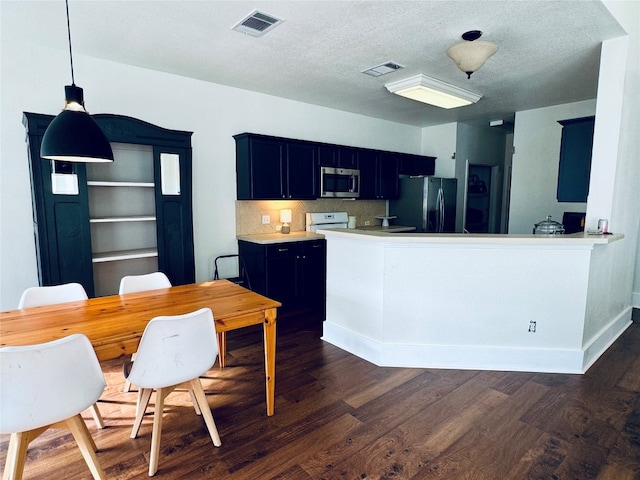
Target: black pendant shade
{"points": [[74, 136]]}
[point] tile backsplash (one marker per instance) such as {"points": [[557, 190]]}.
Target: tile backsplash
{"points": [[249, 212]]}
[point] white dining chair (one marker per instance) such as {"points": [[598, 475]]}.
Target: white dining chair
{"points": [[141, 283], [39, 296], [50, 295], [174, 351], [47, 386]]}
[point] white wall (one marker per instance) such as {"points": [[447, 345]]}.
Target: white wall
{"points": [[476, 145], [534, 177], [622, 150], [33, 80], [440, 141]]}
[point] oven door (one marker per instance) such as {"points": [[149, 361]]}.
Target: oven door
{"points": [[339, 182]]}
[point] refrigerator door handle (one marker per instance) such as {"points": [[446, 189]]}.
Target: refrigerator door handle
{"points": [[440, 207], [442, 214]]}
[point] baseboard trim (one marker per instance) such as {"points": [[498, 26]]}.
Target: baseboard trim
{"points": [[466, 357], [605, 338], [635, 299]]}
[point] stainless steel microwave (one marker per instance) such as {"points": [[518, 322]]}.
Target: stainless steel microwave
{"points": [[339, 182]]}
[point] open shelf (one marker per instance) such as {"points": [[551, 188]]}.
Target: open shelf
{"points": [[95, 183], [124, 255], [135, 218]]}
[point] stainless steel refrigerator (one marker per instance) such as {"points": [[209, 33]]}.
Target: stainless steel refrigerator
{"points": [[427, 203]]}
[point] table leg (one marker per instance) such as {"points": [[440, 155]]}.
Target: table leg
{"points": [[270, 357], [222, 348]]}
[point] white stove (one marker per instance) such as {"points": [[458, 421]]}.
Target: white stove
{"points": [[322, 221]]}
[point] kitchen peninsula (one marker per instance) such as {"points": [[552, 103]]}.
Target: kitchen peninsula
{"points": [[493, 302]]}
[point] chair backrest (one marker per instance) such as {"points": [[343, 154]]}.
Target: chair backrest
{"points": [[37, 296], [174, 349], [141, 283], [46, 383], [243, 276]]}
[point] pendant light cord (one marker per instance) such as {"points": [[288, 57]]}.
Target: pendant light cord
{"points": [[73, 82]]}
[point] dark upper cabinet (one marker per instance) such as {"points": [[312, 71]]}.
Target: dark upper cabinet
{"points": [[64, 231], [574, 170], [270, 168], [336, 156], [301, 172], [347, 157], [388, 181], [416, 165], [367, 163], [275, 168], [379, 172], [263, 159]]}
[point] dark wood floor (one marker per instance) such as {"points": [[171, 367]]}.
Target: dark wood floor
{"points": [[340, 417]]}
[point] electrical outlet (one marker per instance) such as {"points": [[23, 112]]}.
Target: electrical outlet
{"points": [[266, 219], [367, 223], [532, 326]]}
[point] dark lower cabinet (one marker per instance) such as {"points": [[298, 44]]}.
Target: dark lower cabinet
{"points": [[294, 273]]}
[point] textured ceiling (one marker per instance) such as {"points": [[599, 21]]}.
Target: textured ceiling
{"points": [[548, 50]]}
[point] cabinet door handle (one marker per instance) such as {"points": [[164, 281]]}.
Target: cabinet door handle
{"points": [[283, 249]]}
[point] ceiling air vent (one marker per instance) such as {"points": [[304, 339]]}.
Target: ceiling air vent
{"points": [[383, 69], [256, 24]]}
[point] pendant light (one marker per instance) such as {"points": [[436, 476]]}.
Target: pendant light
{"points": [[73, 136], [471, 54]]}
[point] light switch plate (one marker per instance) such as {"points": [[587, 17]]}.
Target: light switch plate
{"points": [[266, 219]]}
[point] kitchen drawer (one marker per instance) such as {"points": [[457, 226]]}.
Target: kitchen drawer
{"points": [[282, 249]]}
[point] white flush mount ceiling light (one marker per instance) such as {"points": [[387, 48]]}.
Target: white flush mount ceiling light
{"points": [[433, 91], [471, 54]]}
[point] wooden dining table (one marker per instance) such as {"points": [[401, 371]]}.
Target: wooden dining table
{"points": [[114, 324]]}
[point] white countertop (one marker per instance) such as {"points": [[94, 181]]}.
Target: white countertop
{"points": [[574, 239], [389, 229], [267, 238]]}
